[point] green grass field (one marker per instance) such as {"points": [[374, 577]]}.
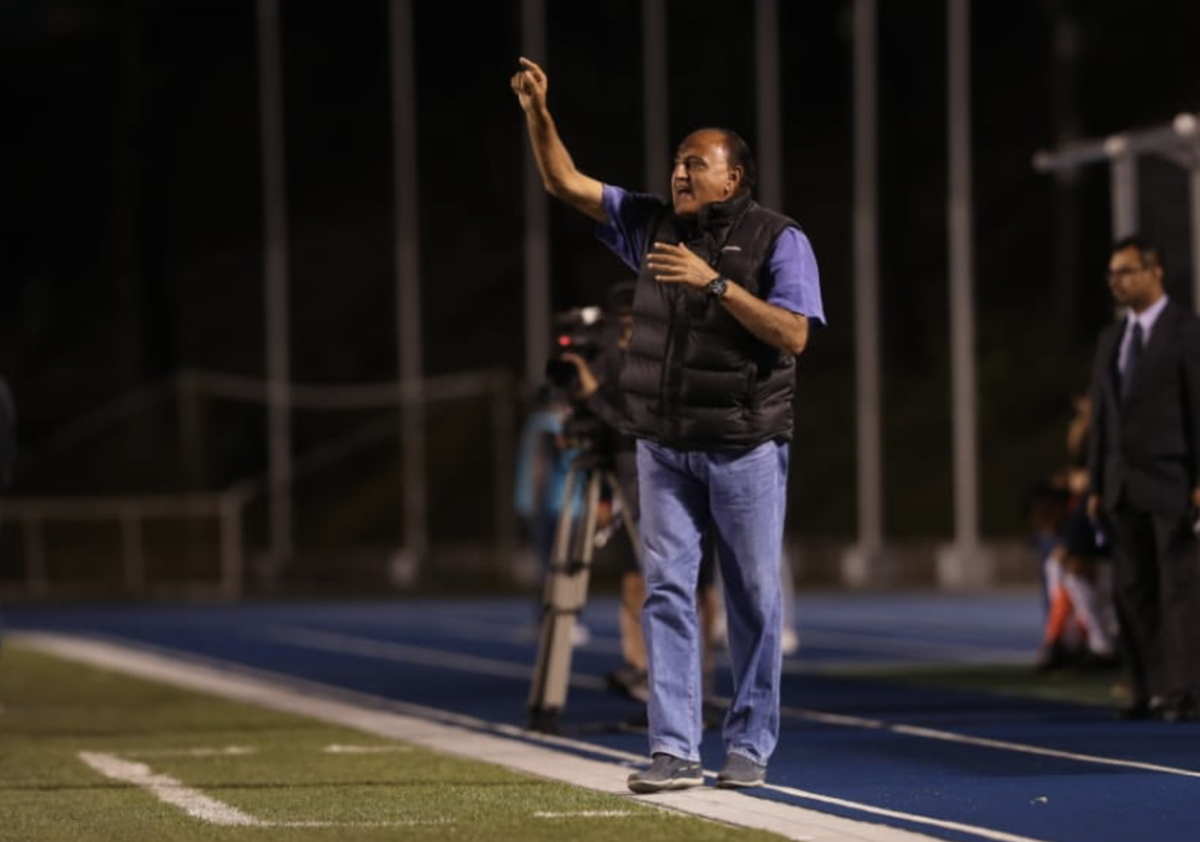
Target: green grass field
{"points": [[295, 779]]}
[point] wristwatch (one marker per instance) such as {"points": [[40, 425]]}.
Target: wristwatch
{"points": [[717, 287]]}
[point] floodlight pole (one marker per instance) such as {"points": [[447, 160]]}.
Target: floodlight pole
{"points": [[279, 420], [964, 564], [409, 336], [863, 564], [1177, 141], [768, 101], [656, 144], [537, 227]]}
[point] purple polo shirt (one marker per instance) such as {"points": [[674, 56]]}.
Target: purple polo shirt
{"points": [[796, 284]]}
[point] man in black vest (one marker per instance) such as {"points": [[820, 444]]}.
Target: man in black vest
{"points": [[722, 304], [1144, 463]]}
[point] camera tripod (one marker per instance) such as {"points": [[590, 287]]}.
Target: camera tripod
{"points": [[566, 585]]}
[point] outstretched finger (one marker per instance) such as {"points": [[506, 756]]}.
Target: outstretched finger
{"points": [[533, 68]]}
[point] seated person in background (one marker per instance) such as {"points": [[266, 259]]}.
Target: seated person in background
{"points": [[1081, 624]]}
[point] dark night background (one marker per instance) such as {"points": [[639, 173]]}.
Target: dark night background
{"points": [[131, 219]]}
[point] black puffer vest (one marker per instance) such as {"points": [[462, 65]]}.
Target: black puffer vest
{"points": [[695, 379]]}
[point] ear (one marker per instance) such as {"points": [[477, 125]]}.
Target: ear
{"points": [[735, 177]]}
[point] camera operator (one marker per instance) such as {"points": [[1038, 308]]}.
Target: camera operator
{"points": [[595, 391]]}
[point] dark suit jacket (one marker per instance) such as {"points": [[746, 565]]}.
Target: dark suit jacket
{"points": [[1145, 448]]}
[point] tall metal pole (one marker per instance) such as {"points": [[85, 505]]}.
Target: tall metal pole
{"points": [[537, 229], [656, 117], [1124, 190], [279, 420], [862, 563], [410, 362], [768, 100], [964, 564], [1194, 198], [1177, 141]]}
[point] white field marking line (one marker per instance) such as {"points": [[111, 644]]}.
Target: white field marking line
{"points": [[365, 713], [986, 833], [332, 641], [586, 814], [982, 742], [204, 807], [170, 790], [227, 751], [341, 749], [385, 650], [397, 823]]}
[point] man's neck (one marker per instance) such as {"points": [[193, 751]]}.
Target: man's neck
{"points": [[1143, 306]]}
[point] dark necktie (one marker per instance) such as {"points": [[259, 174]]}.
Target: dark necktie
{"points": [[1131, 358]]}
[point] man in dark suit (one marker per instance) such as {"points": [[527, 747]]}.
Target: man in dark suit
{"points": [[1144, 465]]}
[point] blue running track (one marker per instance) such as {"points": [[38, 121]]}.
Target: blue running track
{"points": [[1001, 767]]}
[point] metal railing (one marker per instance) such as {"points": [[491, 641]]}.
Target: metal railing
{"points": [[32, 514], [30, 520]]}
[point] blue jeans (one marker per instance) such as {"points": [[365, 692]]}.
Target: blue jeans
{"points": [[743, 496]]}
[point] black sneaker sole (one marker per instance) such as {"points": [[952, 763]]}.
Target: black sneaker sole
{"points": [[730, 783], [647, 787]]}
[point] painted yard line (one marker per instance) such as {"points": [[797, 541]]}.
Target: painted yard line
{"points": [[227, 751], [587, 814], [203, 807], [325, 704], [397, 823], [346, 644], [982, 742], [170, 790], [340, 749]]}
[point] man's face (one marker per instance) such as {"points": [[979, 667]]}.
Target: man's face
{"points": [[702, 174], [1133, 282]]}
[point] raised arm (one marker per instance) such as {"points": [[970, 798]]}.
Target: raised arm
{"points": [[559, 175]]}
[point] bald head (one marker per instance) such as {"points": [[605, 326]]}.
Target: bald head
{"points": [[711, 165]]}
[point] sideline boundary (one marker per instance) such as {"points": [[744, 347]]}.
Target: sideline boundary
{"points": [[363, 713]]}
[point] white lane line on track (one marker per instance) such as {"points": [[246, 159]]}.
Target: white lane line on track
{"points": [[372, 715], [345, 644], [330, 641], [911, 648], [945, 824], [982, 742]]}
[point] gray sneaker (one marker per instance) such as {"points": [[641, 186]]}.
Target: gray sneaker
{"points": [[667, 772], [741, 771]]}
